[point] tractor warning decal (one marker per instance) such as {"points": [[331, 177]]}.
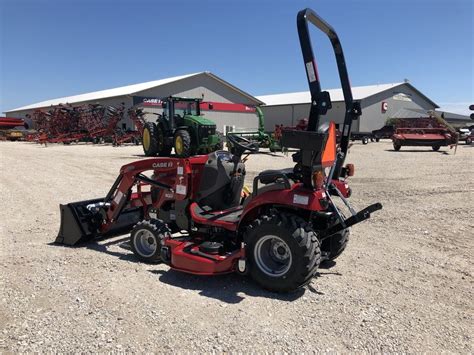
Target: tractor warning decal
{"points": [[311, 72]]}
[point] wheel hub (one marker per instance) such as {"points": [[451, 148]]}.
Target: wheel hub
{"points": [[145, 243], [273, 256], [146, 138], [179, 145]]}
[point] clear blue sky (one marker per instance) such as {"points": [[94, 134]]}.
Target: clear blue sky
{"points": [[53, 48]]}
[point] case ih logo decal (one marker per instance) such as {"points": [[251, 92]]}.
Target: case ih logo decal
{"points": [[147, 101], [384, 107], [165, 164]]}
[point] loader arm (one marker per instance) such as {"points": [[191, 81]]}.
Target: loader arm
{"points": [[122, 208]]}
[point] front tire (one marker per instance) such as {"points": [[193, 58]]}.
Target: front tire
{"points": [[283, 251], [146, 240], [182, 143]]}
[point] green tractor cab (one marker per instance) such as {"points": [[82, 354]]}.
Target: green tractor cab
{"points": [[181, 127]]}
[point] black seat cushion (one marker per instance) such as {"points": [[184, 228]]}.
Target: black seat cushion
{"points": [[269, 176]]}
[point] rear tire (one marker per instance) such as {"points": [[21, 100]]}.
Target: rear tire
{"points": [[149, 142], [146, 240], [153, 141], [334, 246], [283, 251], [182, 143]]}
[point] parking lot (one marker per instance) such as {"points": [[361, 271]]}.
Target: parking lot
{"points": [[405, 282]]}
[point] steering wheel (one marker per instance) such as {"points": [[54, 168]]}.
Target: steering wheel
{"points": [[242, 144]]}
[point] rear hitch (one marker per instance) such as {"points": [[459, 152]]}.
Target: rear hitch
{"points": [[356, 218]]}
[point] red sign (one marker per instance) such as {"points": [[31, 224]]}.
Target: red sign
{"points": [[223, 106]]}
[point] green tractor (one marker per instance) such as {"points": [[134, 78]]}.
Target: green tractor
{"points": [[181, 127]]}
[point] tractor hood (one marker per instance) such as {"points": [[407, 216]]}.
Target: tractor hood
{"points": [[200, 120]]}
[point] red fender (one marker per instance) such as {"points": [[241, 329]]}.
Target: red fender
{"points": [[297, 196]]}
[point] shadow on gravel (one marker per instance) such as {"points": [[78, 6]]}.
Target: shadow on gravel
{"points": [[103, 248], [230, 288], [123, 243]]}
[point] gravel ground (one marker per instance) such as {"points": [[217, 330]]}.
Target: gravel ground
{"points": [[404, 284]]}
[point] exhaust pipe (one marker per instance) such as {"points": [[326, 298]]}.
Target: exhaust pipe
{"points": [[82, 221]]}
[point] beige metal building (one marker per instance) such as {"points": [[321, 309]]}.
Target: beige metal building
{"points": [[378, 103], [203, 85]]}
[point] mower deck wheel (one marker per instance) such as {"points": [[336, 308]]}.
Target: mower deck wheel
{"points": [[146, 239], [283, 251], [397, 146], [435, 148]]}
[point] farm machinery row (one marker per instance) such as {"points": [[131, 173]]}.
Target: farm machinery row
{"points": [[87, 123]]}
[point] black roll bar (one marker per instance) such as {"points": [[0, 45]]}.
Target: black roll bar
{"points": [[320, 101]]}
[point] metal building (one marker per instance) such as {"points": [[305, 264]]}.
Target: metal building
{"points": [[203, 85], [378, 103]]}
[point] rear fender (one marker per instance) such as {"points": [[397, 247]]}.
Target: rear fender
{"points": [[295, 198]]}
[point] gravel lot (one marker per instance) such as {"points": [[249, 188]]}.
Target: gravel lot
{"points": [[404, 284]]}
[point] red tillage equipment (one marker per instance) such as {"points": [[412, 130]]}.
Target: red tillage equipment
{"points": [[137, 115], [8, 122]]}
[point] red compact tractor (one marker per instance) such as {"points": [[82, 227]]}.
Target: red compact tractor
{"points": [[191, 213]]}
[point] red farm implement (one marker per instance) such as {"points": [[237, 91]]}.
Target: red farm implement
{"points": [[432, 131], [67, 124], [137, 115]]}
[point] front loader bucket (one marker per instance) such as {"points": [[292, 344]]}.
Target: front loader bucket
{"points": [[78, 224]]}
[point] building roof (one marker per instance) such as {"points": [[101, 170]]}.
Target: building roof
{"points": [[126, 90], [358, 93]]}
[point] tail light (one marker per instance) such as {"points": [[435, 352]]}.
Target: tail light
{"points": [[318, 179]]}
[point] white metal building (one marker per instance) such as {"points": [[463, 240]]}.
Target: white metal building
{"points": [[203, 85], [378, 103]]}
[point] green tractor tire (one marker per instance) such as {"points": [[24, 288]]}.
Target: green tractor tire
{"points": [[153, 141], [182, 143]]}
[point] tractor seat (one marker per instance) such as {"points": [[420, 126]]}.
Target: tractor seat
{"points": [[227, 219], [270, 176]]}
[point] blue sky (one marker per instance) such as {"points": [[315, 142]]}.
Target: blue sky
{"points": [[53, 48]]}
